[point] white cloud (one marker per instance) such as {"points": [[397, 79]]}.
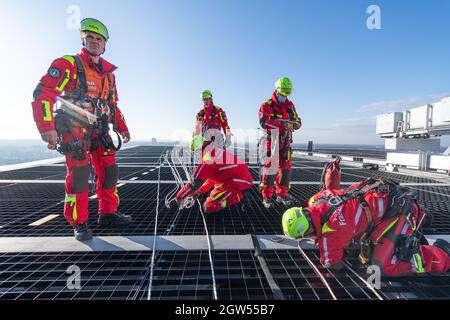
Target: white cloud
{"points": [[401, 104]]}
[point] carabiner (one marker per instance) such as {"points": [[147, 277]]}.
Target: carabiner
{"points": [[335, 201]]}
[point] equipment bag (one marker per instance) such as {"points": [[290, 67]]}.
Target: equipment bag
{"points": [[331, 175]]}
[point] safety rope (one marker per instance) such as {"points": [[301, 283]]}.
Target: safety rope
{"points": [[183, 166], [209, 252], [149, 296], [316, 270], [188, 203], [171, 196]]}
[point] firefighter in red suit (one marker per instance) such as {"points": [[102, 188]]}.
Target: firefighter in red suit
{"points": [[219, 170], [335, 227], [86, 80], [279, 119], [211, 120]]}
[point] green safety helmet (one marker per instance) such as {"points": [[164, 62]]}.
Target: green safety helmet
{"points": [[284, 86], [196, 143], [93, 25], [296, 222], [206, 94]]}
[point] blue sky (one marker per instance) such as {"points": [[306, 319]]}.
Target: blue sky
{"points": [[169, 51]]}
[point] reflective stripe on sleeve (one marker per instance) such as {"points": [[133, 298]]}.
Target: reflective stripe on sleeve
{"points": [[46, 109], [64, 81]]}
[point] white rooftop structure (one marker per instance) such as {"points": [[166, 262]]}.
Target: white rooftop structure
{"points": [[421, 122], [410, 130]]}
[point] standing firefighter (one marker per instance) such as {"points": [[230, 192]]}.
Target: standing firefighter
{"points": [[210, 122], [85, 80], [279, 119], [384, 217]]}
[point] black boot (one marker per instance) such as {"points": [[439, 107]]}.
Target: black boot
{"points": [[82, 232], [288, 201], [443, 245], [115, 219]]}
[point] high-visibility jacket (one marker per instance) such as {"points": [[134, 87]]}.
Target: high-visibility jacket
{"points": [[211, 117], [64, 78], [271, 111]]}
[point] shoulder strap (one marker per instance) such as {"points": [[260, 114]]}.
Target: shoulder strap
{"points": [[213, 114], [111, 82], [394, 207], [81, 75], [291, 114], [336, 201], [271, 104]]}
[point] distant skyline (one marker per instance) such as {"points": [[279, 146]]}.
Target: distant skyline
{"points": [[169, 51]]}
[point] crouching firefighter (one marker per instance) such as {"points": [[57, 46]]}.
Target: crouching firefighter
{"points": [[87, 82], [219, 170], [384, 217]]}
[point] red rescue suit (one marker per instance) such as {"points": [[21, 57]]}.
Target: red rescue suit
{"points": [[214, 119], [349, 222], [223, 171], [63, 78], [270, 114]]}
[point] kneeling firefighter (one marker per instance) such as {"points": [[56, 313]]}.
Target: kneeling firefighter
{"points": [[219, 170], [86, 81], [382, 215]]}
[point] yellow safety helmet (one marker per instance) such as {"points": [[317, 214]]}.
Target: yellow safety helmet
{"points": [[296, 222]]}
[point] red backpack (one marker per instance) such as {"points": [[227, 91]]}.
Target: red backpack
{"points": [[331, 175]]}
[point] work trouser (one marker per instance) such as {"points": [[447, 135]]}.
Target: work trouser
{"points": [[280, 179], [385, 237], [224, 196], [77, 179]]}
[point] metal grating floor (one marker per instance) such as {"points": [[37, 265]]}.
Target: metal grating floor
{"points": [[186, 275], [119, 275], [253, 218], [139, 201], [297, 279]]}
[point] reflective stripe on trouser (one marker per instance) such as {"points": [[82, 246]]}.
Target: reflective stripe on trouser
{"points": [[220, 198], [282, 179], [71, 208], [428, 259], [76, 204]]}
